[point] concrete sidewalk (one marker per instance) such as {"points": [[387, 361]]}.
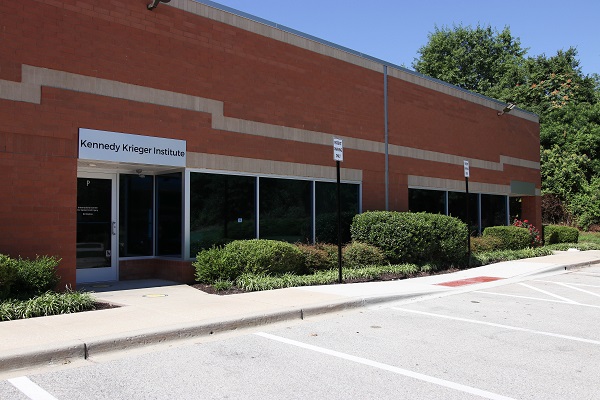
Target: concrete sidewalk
{"points": [[155, 311]]}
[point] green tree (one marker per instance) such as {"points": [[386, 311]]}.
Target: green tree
{"points": [[567, 101], [482, 59], [550, 83]]}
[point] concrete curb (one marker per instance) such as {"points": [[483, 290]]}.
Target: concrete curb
{"points": [[38, 356], [63, 353]]}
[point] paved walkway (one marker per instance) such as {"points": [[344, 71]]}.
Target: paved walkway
{"points": [[155, 311]]}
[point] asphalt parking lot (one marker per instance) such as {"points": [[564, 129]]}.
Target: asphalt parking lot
{"points": [[535, 339]]}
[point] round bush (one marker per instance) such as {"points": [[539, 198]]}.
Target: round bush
{"points": [[560, 234], [210, 267], [413, 237], [8, 272], [511, 237], [257, 256], [35, 277], [358, 254], [317, 258], [485, 244]]}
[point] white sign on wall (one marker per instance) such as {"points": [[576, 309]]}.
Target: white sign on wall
{"points": [[124, 147], [338, 149]]}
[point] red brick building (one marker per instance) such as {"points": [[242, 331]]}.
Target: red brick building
{"points": [[129, 138]]}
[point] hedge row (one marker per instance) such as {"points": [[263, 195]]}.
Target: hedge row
{"points": [[270, 257], [509, 237], [23, 279], [560, 234], [417, 238]]}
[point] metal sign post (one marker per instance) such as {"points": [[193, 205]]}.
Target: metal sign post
{"points": [[467, 173], [338, 156]]}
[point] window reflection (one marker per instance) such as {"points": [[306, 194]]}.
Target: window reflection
{"points": [[135, 215], [168, 215], [286, 210], [457, 207], [431, 201], [493, 210], [222, 209], [326, 210]]}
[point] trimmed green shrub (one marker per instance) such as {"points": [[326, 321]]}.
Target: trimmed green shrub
{"points": [[560, 234], [358, 254], [255, 256], [210, 268], [263, 256], [483, 244], [511, 237], [317, 257], [34, 277], [534, 234], [8, 272], [413, 237]]}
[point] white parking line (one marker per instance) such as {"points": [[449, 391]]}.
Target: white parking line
{"points": [[520, 297], [549, 294], [386, 367], [535, 298], [571, 286], [514, 328], [30, 389]]}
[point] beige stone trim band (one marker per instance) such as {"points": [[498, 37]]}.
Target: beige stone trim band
{"points": [[425, 182], [33, 78], [215, 162]]}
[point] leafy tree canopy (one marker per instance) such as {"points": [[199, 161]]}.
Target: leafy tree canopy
{"points": [[494, 64], [479, 59]]}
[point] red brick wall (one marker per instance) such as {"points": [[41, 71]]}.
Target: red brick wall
{"points": [[174, 270], [256, 78]]}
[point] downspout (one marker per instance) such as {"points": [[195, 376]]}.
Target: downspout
{"points": [[385, 120]]}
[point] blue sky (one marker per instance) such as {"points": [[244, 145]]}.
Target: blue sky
{"points": [[393, 30]]}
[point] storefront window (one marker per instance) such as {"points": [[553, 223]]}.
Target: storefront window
{"points": [[168, 215], [457, 207], [326, 210], [493, 210], [285, 210], [431, 201], [515, 204], [222, 209], [136, 212]]}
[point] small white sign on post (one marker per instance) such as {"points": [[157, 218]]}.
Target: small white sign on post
{"points": [[466, 168], [338, 149]]}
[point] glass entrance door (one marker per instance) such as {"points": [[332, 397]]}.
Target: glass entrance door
{"points": [[96, 228]]}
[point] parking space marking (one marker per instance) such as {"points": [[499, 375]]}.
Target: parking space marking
{"points": [[514, 328], [548, 293], [30, 389], [386, 367], [535, 298], [520, 297], [572, 286]]}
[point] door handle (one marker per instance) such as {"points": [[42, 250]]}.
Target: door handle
{"points": [[114, 228]]}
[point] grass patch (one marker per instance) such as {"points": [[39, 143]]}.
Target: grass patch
{"points": [[589, 237], [256, 282], [490, 257], [579, 246], [46, 304]]}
